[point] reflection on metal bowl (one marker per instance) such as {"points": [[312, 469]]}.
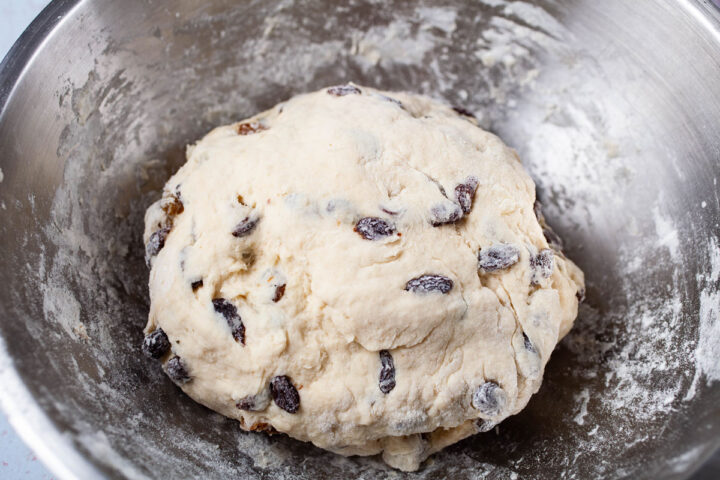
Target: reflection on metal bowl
{"points": [[614, 107]]}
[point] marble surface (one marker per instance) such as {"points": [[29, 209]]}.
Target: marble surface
{"points": [[17, 461]]}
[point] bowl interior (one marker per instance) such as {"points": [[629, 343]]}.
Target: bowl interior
{"points": [[612, 105]]}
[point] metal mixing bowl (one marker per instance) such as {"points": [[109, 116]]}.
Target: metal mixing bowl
{"points": [[614, 107]]}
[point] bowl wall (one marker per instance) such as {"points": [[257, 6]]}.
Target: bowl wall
{"points": [[614, 107]]}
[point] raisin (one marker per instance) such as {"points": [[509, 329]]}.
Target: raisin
{"points": [[247, 403], [263, 427], [230, 313], [464, 112], [429, 283], [489, 398], [172, 206], [373, 228], [176, 370], [248, 257], [254, 403], [386, 380], [248, 128], [245, 227], [464, 194], [537, 208], [196, 284], [484, 425], [498, 257], [542, 265], [389, 212], [156, 344], [527, 343], [443, 213], [279, 292], [553, 239], [393, 100], [439, 186], [580, 295], [284, 393], [156, 242], [342, 90]]}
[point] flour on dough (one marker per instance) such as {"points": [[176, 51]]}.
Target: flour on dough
{"points": [[363, 270]]}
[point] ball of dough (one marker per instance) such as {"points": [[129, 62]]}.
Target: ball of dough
{"points": [[363, 270]]}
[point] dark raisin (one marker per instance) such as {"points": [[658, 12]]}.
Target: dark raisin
{"points": [[429, 283], [176, 370], [196, 284], [254, 403], [372, 228], [249, 128], [489, 398], [553, 239], [230, 313], [580, 295], [464, 194], [248, 257], [279, 292], [498, 257], [484, 425], [444, 213], [542, 265], [245, 227], [464, 112], [393, 100], [250, 403], [389, 212], [156, 242], [527, 343], [342, 90], [156, 344], [440, 187], [284, 393], [537, 208], [387, 372], [247, 403]]}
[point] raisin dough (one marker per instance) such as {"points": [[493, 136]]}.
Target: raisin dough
{"points": [[359, 269]]}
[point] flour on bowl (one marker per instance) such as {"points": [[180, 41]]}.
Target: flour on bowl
{"points": [[707, 352], [638, 359]]}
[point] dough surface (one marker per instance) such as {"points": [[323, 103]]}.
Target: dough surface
{"points": [[359, 269]]}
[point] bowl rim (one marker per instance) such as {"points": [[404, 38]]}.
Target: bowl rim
{"points": [[54, 448]]}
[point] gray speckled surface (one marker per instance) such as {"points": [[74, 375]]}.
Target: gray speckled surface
{"points": [[16, 460]]}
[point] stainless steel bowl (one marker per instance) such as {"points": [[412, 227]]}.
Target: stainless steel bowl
{"points": [[614, 106]]}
